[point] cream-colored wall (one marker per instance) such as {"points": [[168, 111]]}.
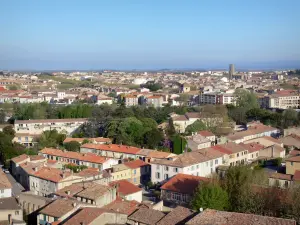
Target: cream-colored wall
{"points": [[291, 167], [121, 175]]}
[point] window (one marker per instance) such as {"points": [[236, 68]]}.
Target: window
{"points": [[197, 166], [292, 163], [192, 168], [216, 162], [2, 191], [166, 168], [16, 213], [175, 170], [206, 163], [19, 138], [134, 171], [238, 155], [134, 180], [157, 175], [26, 139], [211, 163], [157, 167], [245, 152], [166, 176]]}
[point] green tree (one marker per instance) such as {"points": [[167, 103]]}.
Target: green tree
{"points": [[51, 139], [179, 144], [85, 141], [198, 125], [210, 196], [9, 130], [246, 99], [290, 118], [2, 116], [72, 146], [171, 129], [13, 87], [153, 138]]}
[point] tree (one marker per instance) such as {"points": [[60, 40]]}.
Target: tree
{"points": [[198, 125], [171, 129], [13, 87], [210, 196], [290, 118], [51, 139], [246, 99], [72, 146], [153, 138], [179, 144], [85, 141], [2, 116], [9, 130]]}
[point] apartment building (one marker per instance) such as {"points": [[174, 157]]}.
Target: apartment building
{"points": [[104, 100], [209, 135], [26, 139], [86, 159], [226, 99], [283, 101], [234, 154], [254, 149], [111, 150], [131, 100], [45, 181], [119, 172], [128, 191], [197, 141], [155, 101], [39, 126], [209, 98], [140, 171], [198, 163]]}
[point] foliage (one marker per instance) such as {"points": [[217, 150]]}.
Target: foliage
{"points": [[51, 139], [153, 86], [210, 196], [198, 125], [75, 168], [9, 130], [245, 99], [13, 87], [277, 162], [85, 141], [153, 138], [2, 116], [179, 144], [290, 118], [72, 146]]}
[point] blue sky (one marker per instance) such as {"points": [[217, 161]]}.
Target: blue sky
{"points": [[153, 34]]}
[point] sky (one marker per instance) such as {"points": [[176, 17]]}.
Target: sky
{"points": [[149, 34]]}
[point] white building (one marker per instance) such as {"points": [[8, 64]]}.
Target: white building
{"points": [[39, 126], [198, 163]]}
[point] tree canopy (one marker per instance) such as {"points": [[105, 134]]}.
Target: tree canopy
{"points": [[245, 99], [198, 125], [72, 146]]}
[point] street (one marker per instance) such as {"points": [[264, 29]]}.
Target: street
{"points": [[16, 187]]}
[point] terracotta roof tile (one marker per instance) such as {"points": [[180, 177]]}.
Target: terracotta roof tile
{"points": [[52, 121], [205, 133], [281, 176], [113, 148], [4, 182], [124, 187], [20, 158], [183, 183], [214, 217], [123, 206], [136, 164], [177, 216], [296, 176], [252, 147], [59, 207], [146, 216], [80, 140], [51, 174]]}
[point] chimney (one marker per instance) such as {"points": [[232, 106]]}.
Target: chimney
{"points": [[68, 192], [74, 204], [35, 169], [10, 219], [82, 223]]}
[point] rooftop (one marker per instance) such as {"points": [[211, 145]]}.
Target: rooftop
{"points": [[4, 182], [135, 164], [146, 216], [59, 207], [80, 140], [51, 174], [113, 148], [124, 187], [123, 206], [9, 204], [179, 215], [183, 183], [52, 121], [214, 217], [205, 133], [229, 148]]}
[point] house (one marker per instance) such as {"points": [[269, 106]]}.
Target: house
{"points": [[94, 216], [215, 217], [291, 141], [209, 135], [253, 150], [145, 216], [140, 171], [155, 101], [26, 139], [292, 164], [5, 186], [254, 130], [234, 153], [180, 188], [111, 150], [131, 100], [96, 140], [31, 203], [119, 172], [197, 141], [57, 211], [18, 160], [45, 181], [280, 180], [86, 159], [149, 155], [11, 212], [198, 163], [39, 126], [128, 190], [104, 100]]}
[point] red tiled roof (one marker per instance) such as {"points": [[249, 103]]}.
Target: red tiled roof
{"points": [[52, 121], [294, 152], [52, 174], [205, 133], [20, 158], [229, 148], [136, 164], [125, 187], [281, 176], [183, 183], [252, 147], [293, 159], [86, 157], [113, 148], [272, 139], [123, 206]]}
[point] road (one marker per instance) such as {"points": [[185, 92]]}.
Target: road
{"points": [[16, 187]]}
